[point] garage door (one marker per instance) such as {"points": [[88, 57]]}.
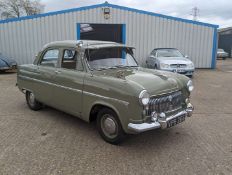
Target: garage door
{"points": [[104, 32]]}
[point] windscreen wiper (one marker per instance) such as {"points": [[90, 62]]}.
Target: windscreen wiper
{"points": [[102, 68], [120, 65], [133, 66], [125, 66]]}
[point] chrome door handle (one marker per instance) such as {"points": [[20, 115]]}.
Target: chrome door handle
{"points": [[57, 72], [37, 71]]}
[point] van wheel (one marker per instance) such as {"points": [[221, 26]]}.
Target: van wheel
{"points": [[109, 126], [32, 102]]}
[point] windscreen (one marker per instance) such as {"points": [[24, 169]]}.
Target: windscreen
{"points": [[169, 53], [113, 57]]}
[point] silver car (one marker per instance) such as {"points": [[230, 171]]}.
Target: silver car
{"points": [[222, 54], [170, 59]]}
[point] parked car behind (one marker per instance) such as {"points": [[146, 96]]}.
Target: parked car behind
{"points": [[99, 80], [7, 63], [222, 54], [170, 59]]}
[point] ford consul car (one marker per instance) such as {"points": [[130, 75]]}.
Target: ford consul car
{"points": [[98, 80]]}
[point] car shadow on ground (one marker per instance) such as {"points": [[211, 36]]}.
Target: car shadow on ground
{"points": [[89, 131], [225, 65], [7, 72]]}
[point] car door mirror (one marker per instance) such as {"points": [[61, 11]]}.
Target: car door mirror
{"points": [[186, 56]]}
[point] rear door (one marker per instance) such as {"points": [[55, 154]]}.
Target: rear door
{"points": [[69, 79]]}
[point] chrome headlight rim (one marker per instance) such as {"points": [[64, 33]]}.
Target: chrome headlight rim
{"points": [[190, 66], [144, 97], [190, 86], [164, 66]]}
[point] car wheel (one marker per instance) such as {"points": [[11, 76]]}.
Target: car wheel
{"points": [[109, 126], [32, 102]]}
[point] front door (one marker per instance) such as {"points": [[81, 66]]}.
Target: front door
{"points": [[69, 79], [44, 76]]}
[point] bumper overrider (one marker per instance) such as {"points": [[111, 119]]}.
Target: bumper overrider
{"points": [[161, 121]]}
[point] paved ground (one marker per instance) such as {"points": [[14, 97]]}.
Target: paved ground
{"points": [[51, 142]]}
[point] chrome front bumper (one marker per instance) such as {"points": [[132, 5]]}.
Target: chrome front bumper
{"points": [[160, 123], [185, 71]]}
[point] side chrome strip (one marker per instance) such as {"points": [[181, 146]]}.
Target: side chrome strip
{"points": [[76, 90], [52, 84], [107, 98]]}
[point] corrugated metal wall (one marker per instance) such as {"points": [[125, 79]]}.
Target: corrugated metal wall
{"points": [[23, 39]]}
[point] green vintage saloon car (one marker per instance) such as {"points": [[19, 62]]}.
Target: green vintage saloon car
{"points": [[99, 80]]}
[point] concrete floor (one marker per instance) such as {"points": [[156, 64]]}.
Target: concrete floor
{"points": [[52, 142]]}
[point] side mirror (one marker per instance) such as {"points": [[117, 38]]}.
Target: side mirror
{"points": [[152, 56], [186, 56]]}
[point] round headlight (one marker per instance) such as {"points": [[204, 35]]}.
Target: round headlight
{"points": [[164, 65], [190, 86], [191, 65], [144, 97]]}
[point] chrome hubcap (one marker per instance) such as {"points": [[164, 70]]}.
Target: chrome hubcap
{"points": [[31, 98], [109, 126]]}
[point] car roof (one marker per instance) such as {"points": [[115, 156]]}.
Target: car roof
{"points": [[165, 48], [86, 44]]}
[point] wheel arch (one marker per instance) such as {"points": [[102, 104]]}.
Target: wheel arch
{"points": [[25, 90], [97, 106]]}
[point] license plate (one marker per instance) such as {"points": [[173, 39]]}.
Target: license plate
{"points": [[180, 70], [175, 121]]}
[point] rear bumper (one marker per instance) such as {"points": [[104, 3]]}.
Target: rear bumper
{"points": [[5, 68], [222, 55], [13, 67], [160, 123]]}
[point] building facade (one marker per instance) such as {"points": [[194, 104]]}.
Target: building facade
{"points": [[21, 38]]}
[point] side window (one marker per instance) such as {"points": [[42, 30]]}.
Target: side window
{"points": [[70, 60], [69, 55], [50, 58]]}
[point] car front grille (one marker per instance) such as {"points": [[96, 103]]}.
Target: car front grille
{"points": [[178, 65], [166, 103]]}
